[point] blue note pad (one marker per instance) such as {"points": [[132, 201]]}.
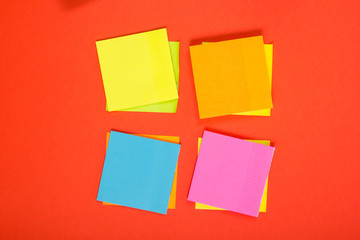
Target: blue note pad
{"points": [[138, 172]]}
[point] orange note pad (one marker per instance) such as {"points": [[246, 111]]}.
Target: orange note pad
{"points": [[231, 77], [172, 139]]}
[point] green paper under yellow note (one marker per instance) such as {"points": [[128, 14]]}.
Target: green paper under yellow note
{"points": [[264, 198], [137, 70], [269, 63]]}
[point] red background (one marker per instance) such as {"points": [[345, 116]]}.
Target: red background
{"points": [[53, 121]]}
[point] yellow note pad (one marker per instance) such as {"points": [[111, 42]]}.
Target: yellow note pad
{"points": [[137, 70], [264, 198], [269, 63], [172, 139]]}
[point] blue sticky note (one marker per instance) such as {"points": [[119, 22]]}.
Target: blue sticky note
{"points": [[138, 172]]}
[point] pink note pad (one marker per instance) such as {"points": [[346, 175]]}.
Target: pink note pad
{"points": [[231, 173]]}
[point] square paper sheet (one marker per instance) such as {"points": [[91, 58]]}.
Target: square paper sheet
{"points": [[231, 173], [264, 197], [137, 70], [269, 49], [231, 77], [172, 139], [167, 106], [138, 172]]}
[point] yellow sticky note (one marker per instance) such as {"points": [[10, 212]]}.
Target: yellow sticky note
{"points": [[264, 198], [137, 70], [167, 106], [172, 139]]}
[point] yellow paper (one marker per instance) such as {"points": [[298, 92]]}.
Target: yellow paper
{"points": [[168, 106], [264, 198], [137, 70], [172, 139]]}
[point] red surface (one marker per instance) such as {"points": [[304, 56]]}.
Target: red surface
{"points": [[53, 121]]}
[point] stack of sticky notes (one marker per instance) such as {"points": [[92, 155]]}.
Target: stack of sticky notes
{"points": [[231, 174], [139, 172], [233, 77], [140, 72]]}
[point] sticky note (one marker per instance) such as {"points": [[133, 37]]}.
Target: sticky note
{"points": [[138, 172], [269, 63], [167, 106], [264, 197], [231, 173], [172, 139], [231, 77], [137, 70]]}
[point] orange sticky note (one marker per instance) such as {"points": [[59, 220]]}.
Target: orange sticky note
{"points": [[231, 77], [172, 139]]}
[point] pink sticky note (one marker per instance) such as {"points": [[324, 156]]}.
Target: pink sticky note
{"points": [[231, 173]]}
